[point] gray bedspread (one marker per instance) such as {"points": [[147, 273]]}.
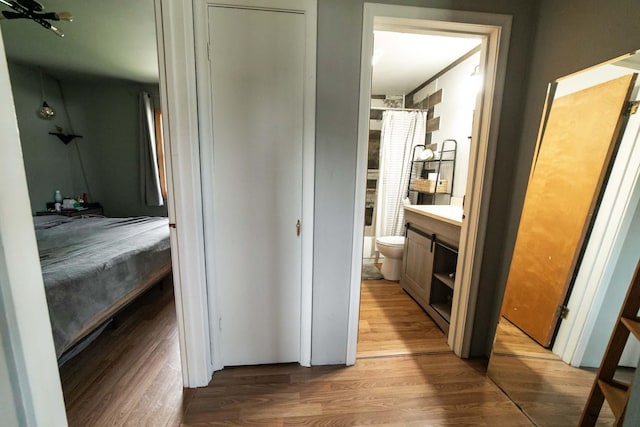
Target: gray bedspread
{"points": [[90, 263]]}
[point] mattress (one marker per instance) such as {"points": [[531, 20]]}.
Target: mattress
{"points": [[91, 263]]}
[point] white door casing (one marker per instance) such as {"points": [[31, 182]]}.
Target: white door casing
{"points": [[174, 27], [495, 30], [257, 168], [31, 382]]}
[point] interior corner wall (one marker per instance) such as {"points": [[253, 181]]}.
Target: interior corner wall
{"points": [[337, 97], [47, 161], [106, 113], [338, 74], [572, 35]]}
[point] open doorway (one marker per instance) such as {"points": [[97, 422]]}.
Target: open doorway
{"points": [[424, 88], [585, 278], [466, 236], [94, 112]]}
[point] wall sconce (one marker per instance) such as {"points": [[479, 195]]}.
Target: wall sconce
{"points": [[476, 80], [377, 54], [45, 112], [64, 137]]}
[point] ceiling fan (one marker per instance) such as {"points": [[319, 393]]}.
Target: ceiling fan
{"points": [[31, 9]]}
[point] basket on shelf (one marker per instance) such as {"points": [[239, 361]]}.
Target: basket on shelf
{"points": [[430, 185]]}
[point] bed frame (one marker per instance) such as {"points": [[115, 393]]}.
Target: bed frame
{"points": [[115, 308]]}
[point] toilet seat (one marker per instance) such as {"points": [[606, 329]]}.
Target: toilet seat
{"points": [[392, 248], [390, 241]]}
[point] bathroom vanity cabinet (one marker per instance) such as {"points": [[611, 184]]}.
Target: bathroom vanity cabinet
{"points": [[430, 258]]}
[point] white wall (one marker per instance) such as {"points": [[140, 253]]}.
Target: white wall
{"points": [[456, 113], [11, 407], [27, 343], [608, 311]]}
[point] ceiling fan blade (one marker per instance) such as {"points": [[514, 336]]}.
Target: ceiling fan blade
{"points": [[32, 5], [52, 16], [13, 15], [56, 30]]}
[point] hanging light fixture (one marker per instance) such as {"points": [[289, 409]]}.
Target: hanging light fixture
{"points": [[45, 112], [33, 10], [476, 80]]}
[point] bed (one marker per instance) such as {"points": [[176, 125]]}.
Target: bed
{"points": [[94, 266]]}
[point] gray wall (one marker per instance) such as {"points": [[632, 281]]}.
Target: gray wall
{"points": [[47, 160], [338, 76], [106, 114], [572, 35]]}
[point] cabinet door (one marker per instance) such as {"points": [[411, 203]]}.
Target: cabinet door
{"points": [[418, 266]]}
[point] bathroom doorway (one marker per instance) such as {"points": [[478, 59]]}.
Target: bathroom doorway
{"points": [[424, 88], [490, 33]]}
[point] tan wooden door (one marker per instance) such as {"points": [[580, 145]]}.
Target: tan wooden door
{"points": [[574, 155]]}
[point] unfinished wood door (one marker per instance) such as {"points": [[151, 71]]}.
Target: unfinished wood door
{"points": [[574, 155]]}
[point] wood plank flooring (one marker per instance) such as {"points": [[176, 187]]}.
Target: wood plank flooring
{"points": [[130, 375], [423, 384], [550, 391], [392, 323], [437, 389]]}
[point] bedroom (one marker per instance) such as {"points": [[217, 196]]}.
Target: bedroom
{"points": [[92, 79]]}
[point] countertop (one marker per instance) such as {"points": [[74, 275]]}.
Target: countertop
{"points": [[446, 213]]}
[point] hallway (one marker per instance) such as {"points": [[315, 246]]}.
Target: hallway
{"points": [[131, 376], [393, 324]]}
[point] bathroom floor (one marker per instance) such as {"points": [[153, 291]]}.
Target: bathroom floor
{"points": [[391, 323]]}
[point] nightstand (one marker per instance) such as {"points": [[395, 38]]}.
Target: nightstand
{"points": [[89, 209]]}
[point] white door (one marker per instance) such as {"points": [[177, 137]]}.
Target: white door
{"points": [[257, 80]]}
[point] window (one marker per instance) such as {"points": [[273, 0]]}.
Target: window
{"points": [[157, 119]]}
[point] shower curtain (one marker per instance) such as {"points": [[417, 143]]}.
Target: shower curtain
{"points": [[401, 131]]}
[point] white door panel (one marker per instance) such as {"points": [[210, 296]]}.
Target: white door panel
{"points": [[257, 77]]}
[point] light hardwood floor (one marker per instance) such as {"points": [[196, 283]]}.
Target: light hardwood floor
{"points": [[437, 389], [131, 376], [405, 375], [392, 323], [550, 391]]}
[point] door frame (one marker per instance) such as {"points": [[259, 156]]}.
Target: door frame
{"points": [[174, 34], [205, 114], [613, 219], [495, 30], [25, 329], [26, 341]]}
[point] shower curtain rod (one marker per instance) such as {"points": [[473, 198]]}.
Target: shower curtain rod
{"points": [[402, 109]]}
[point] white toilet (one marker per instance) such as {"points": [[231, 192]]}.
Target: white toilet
{"points": [[392, 248]]}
